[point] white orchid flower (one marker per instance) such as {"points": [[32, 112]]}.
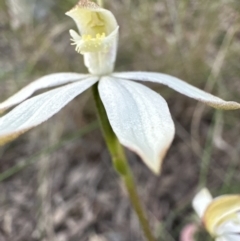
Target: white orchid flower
{"points": [[220, 216], [139, 116]]}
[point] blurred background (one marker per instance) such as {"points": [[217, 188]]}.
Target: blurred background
{"points": [[57, 182]]}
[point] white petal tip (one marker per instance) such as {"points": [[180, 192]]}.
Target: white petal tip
{"points": [[201, 201], [156, 167]]}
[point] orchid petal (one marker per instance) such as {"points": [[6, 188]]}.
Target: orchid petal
{"points": [[139, 117], [229, 237], [201, 201], [47, 81], [180, 86], [231, 226], [221, 209], [221, 238], [38, 109]]}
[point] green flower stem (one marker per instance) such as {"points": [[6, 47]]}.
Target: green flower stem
{"points": [[120, 164]]}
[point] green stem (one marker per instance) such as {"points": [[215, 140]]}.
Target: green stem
{"points": [[120, 164]]}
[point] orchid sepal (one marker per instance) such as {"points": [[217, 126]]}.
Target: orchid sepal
{"points": [[181, 87], [140, 119]]}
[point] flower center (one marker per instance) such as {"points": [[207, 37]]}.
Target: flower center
{"points": [[88, 43]]}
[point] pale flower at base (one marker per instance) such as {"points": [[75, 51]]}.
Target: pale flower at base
{"points": [[220, 216], [139, 117]]}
